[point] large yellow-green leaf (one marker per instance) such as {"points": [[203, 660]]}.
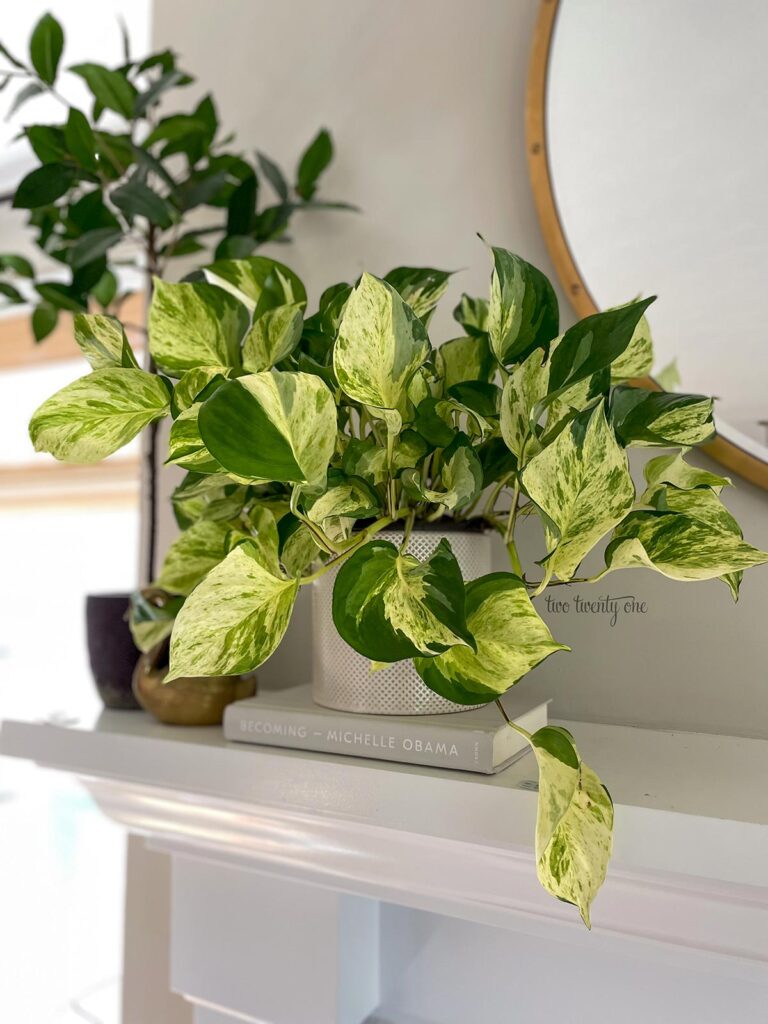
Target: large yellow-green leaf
{"points": [[263, 527], [522, 312], [511, 639], [390, 606], [233, 621], [637, 358], [574, 825], [656, 418], [380, 345], [698, 503], [259, 282], [272, 426], [465, 359], [273, 337], [673, 469], [185, 446], [195, 325], [192, 556], [581, 482], [679, 546], [97, 414], [525, 387], [102, 341]]}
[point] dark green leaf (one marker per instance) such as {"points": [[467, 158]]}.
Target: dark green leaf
{"points": [[136, 199], [18, 264], [235, 247], [105, 288], [45, 47], [592, 345], [11, 293], [44, 185], [44, 320], [153, 94], [61, 296], [496, 459], [274, 176], [90, 212], [431, 425], [115, 153], [29, 91], [92, 245], [48, 142], [241, 209], [80, 141], [313, 162], [111, 88]]}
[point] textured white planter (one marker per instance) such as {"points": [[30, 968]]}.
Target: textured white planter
{"points": [[342, 679]]}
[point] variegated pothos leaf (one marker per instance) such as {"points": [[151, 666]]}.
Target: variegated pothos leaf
{"points": [[272, 337], [525, 387], [581, 482], [259, 282], [511, 639], [679, 546], [389, 606], [574, 825], [522, 312], [92, 417], [272, 426], [193, 325], [192, 555], [102, 341], [233, 621], [380, 345]]}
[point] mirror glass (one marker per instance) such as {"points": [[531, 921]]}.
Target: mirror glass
{"points": [[658, 154]]}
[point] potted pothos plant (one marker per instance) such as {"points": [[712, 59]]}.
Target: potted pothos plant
{"points": [[306, 438]]}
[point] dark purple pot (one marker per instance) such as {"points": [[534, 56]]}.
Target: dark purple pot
{"points": [[111, 650]]}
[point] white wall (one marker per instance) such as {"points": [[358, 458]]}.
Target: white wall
{"points": [[425, 101]]}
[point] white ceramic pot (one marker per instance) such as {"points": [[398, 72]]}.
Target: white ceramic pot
{"points": [[342, 679]]}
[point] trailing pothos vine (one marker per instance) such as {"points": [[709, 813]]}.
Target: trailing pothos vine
{"points": [[304, 437]]}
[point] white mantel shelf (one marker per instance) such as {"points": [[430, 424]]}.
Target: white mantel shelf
{"points": [[691, 845]]}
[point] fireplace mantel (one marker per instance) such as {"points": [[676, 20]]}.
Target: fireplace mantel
{"points": [[688, 873]]}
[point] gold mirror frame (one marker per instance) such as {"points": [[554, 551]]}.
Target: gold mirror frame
{"points": [[724, 451]]}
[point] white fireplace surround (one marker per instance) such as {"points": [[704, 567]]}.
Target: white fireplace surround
{"points": [[363, 879]]}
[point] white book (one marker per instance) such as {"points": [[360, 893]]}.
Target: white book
{"points": [[473, 741]]}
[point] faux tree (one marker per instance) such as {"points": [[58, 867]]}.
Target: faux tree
{"points": [[305, 439], [124, 183]]}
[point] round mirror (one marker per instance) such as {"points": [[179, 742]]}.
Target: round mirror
{"points": [[649, 162]]}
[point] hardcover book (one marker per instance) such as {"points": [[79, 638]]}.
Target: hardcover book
{"points": [[473, 741]]}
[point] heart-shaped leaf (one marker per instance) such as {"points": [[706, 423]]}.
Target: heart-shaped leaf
{"points": [[194, 325], [192, 556], [522, 313], [390, 606], [258, 282], [381, 344], [234, 619], [421, 287], [574, 826], [581, 482], [273, 337], [511, 639], [272, 426]]}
